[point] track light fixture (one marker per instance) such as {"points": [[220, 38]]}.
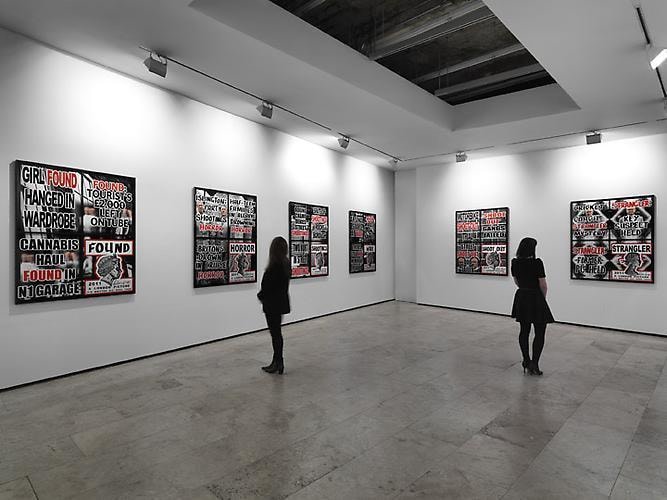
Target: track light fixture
{"points": [[343, 141], [593, 138], [461, 156], [265, 109], [657, 56], [156, 64]]}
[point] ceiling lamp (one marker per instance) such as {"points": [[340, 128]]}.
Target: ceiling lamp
{"points": [[343, 141], [657, 56], [461, 156], [265, 109], [156, 64], [593, 138]]}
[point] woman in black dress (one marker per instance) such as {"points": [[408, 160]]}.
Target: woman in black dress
{"points": [[530, 304], [275, 299]]}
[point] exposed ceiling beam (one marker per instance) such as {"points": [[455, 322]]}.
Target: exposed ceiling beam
{"points": [[308, 6], [485, 58], [533, 69], [474, 94], [408, 36]]}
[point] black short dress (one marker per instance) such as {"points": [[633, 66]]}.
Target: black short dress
{"points": [[529, 305]]}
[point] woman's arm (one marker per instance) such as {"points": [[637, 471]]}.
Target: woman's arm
{"points": [[543, 286], [513, 269], [268, 285]]}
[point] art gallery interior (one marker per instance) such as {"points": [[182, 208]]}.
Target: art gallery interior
{"points": [[376, 137]]}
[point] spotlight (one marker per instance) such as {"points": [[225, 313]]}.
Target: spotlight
{"points": [[343, 141], [461, 156], [593, 138], [156, 64], [265, 109], [393, 163], [657, 56]]}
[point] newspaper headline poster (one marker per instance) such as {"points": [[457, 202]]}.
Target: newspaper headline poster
{"points": [[75, 233], [225, 240], [613, 239], [362, 242], [482, 238], [308, 240]]}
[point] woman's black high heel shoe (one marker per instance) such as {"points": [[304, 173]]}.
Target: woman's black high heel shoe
{"points": [[526, 366], [278, 368], [534, 369]]}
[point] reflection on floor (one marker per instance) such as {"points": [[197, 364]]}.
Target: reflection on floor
{"points": [[391, 401]]}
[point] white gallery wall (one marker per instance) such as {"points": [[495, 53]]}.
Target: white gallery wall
{"points": [[60, 110], [406, 250], [538, 188]]}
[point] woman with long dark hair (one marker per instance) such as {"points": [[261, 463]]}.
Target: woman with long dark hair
{"points": [[274, 297], [530, 304]]}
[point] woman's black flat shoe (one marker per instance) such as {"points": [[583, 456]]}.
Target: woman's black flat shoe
{"points": [[525, 365]]}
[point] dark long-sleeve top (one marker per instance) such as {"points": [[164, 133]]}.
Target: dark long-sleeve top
{"points": [[274, 292]]}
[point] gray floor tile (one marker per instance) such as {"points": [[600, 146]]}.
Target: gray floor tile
{"points": [[452, 482], [19, 489], [383, 472], [529, 424], [552, 478], [458, 420], [646, 465], [16, 462], [130, 429], [283, 472], [597, 449], [652, 429], [495, 460], [613, 409], [629, 489]]}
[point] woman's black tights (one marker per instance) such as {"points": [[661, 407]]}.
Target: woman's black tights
{"points": [[538, 341], [273, 321]]}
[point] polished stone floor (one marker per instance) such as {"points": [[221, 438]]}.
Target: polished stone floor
{"points": [[390, 401]]}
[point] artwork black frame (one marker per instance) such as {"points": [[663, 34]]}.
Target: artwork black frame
{"points": [[363, 241], [207, 283], [104, 195], [603, 222], [308, 210], [479, 242]]}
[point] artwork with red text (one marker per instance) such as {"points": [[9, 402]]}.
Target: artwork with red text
{"points": [[308, 240], [362, 242], [482, 241], [75, 233], [613, 239], [225, 239]]}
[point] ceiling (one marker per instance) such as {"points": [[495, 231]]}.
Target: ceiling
{"points": [[593, 50], [457, 50]]}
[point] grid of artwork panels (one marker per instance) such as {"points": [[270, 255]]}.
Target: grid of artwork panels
{"points": [[225, 238], [75, 235], [308, 240], [482, 241], [612, 239], [362, 242]]}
